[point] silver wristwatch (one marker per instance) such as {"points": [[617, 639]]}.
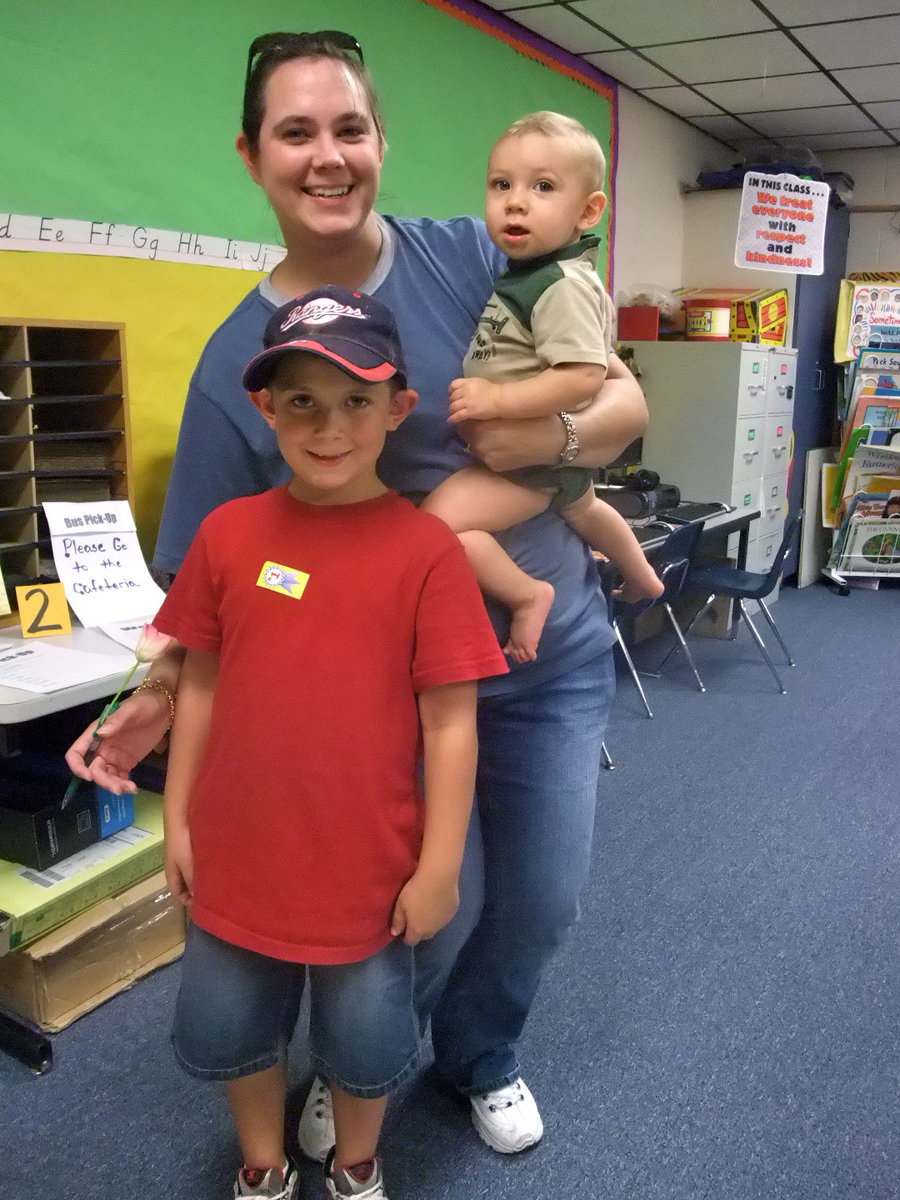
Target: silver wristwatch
{"points": [[572, 446]]}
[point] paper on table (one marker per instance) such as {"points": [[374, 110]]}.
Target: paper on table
{"points": [[99, 561], [35, 666], [126, 633]]}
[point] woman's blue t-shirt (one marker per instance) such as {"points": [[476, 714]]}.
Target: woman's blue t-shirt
{"points": [[436, 276]]}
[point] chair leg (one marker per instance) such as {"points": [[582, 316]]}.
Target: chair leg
{"points": [[607, 758], [631, 667], [694, 619], [684, 646], [765, 610], [762, 647]]}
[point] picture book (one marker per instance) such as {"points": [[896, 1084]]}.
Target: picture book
{"points": [[868, 542], [868, 316], [879, 408], [859, 464]]}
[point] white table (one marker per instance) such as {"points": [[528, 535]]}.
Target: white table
{"points": [[17, 705]]}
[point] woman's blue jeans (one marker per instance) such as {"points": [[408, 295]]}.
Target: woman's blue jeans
{"points": [[538, 768]]}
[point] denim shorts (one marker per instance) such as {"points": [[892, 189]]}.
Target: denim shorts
{"points": [[236, 1012]]}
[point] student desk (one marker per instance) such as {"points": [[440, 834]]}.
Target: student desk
{"points": [[715, 529]]}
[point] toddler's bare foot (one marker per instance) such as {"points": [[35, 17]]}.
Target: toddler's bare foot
{"points": [[647, 586], [527, 623]]}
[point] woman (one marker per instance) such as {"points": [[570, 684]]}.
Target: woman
{"points": [[313, 140]]}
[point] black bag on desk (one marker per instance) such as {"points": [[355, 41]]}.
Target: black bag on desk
{"points": [[634, 503]]}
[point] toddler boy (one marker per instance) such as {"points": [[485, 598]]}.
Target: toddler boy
{"points": [[541, 347]]}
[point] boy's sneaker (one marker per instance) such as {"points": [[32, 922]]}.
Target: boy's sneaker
{"points": [[315, 1133], [360, 1182], [272, 1184], [507, 1119]]}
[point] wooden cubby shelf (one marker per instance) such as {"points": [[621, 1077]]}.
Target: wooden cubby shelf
{"points": [[64, 432]]}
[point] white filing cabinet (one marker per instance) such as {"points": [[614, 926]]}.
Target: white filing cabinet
{"points": [[720, 427]]}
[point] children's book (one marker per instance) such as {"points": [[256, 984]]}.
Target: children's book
{"points": [[868, 542], [859, 465], [874, 395], [868, 462], [879, 408]]}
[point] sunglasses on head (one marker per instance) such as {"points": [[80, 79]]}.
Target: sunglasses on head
{"points": [[267, 42]]}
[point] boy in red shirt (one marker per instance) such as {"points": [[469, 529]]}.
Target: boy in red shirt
{"points": [[333, 633]]}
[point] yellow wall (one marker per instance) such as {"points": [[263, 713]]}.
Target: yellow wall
{"points": [[168, 310]]}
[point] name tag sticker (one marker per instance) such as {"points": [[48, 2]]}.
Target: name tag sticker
{"points": [[289, 581]]}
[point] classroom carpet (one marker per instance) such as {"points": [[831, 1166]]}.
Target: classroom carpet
{"points": [[723, 1022]]}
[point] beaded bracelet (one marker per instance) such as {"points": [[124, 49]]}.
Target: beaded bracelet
{"points": [[156, 685]]}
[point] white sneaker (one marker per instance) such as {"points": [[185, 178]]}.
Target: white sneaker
{"points": [[507, 1119], [361, 1182], [267, 1185], [315, 1132]]}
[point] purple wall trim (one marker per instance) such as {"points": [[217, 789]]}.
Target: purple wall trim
{"points": [[505, 25]]}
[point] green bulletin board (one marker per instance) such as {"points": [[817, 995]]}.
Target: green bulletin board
{"points": [[128, 112]]}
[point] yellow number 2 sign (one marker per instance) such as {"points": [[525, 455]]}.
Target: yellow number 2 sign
{"points": [[43, 610]]}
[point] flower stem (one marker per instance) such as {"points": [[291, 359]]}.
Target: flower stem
{"points": [[108, 711]]}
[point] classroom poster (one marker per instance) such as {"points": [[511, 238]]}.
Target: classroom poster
{"points": [[781, 226], [873, 319]]}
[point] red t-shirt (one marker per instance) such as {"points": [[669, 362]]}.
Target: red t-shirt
{"points": [[306, 816]]}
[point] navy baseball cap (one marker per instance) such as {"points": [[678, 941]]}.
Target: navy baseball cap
{"points": [[354, 331]]}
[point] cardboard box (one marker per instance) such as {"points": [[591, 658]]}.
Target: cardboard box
{"points": [[34, 902], [81, 964], [756, 316]]}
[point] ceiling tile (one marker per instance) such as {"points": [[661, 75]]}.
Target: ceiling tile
{"points": [[680, 100], [885, 114], [776, 91], [731, 58], [734, 76], [722, 126], [802, 12], [837, 141], [831, 119], [564, 28], [860, 44], [628, 68], [871, 83], [648, 24]]}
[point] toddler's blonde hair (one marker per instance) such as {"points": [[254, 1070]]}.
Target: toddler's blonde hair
{"points": [[553, 124]]}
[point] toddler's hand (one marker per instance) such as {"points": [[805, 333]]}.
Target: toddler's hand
{"points": [[474, 400]]}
